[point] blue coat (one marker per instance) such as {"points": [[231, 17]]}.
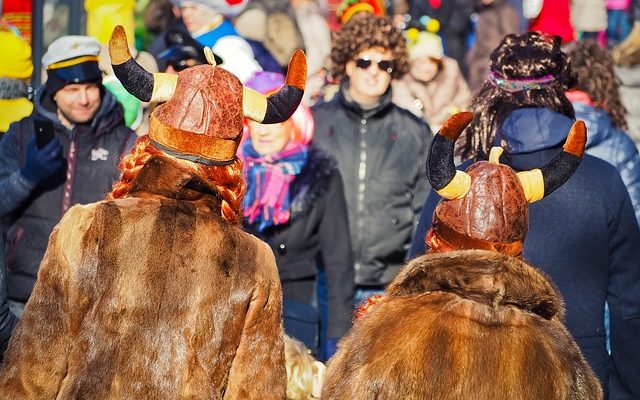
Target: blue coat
{"points": [[614, 146], [585, 237]]}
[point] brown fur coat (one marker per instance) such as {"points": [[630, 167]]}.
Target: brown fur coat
{"points": [[151, 297], [463, 325]]}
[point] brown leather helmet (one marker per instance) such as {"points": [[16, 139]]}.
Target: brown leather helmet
{"points": [[486, 207], [204, 106]]}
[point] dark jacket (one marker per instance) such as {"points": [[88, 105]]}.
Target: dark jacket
{"points": [[381, 154], [585, 237], [317, 232], [614, 146], [7, 320], [29, 213]]}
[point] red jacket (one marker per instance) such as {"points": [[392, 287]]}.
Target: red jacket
{"points": [[555, 19]]}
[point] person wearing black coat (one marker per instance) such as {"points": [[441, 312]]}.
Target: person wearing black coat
{"points": [[295, 203], [584, 235]]}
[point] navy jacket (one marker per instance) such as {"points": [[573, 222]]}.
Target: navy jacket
{"points": [[585, 237], [29, 213], [614, 146]]}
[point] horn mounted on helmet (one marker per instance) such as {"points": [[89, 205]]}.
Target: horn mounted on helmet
{"points": [[486, 206], [201, 119]]}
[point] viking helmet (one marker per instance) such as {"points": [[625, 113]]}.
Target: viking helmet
{"points": [[201, 119], [486, 207]]}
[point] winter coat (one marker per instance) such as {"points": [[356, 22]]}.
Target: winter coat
{"points": [[380, 154], [614, 146], [629, 94], [151, 297], [434, 101], [471, 324], [29, 213], [495, 21], [317, 231], [589, 15], [7, 319], [554, 19], [585, 237]]}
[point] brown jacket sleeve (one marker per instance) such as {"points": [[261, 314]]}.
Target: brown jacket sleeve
{"points": [[258, 369], [36, 360]]}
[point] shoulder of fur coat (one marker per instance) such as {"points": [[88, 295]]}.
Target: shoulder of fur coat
{"points": [[462, 325], [150, 298]]}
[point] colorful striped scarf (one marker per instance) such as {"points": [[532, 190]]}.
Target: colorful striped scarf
{"points": [[268, 201]]}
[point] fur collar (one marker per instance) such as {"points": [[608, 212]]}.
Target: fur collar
{"points": [[167, 177], [484, 276], [312, 183]]}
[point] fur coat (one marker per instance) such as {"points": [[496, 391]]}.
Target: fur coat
{"points": [[151, 297], [467, 324]]}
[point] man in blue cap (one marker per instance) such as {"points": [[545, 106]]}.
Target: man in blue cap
{"points": [[65, 152]]}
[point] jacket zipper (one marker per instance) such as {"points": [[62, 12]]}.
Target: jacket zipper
{"points": [[68, 185], [362, 173]]}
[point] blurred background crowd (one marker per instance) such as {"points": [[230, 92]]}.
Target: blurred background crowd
{"points": [[325, 206]]}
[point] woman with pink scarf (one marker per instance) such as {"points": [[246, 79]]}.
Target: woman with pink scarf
{"points": [[295, 203]]}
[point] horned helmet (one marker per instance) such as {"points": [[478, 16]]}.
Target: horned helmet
{"points": [[203, 106], [486, 207]]}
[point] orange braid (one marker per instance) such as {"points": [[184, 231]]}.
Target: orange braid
{"points": [[227, 179], [131, 165]]}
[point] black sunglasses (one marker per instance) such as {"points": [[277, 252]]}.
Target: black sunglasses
{"points": [[383, 65]]}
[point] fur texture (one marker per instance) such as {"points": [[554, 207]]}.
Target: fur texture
{"points": [[151, 297], [467, 324]]}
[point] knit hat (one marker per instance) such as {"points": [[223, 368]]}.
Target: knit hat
{"points": [[201, 119], [15, 57], [228, 8], [424, 44], [487, 206], [270, 82], [348, 8], [71, 59]]}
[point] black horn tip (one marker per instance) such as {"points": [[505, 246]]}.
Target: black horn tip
{"points": [[282, 104], [440, 166], [135, 79]]}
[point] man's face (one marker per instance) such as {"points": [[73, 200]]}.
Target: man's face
{"points": [[196, 16], [369, 74], [78, 102]]}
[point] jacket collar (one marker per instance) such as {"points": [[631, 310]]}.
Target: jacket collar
{"points": [[531, 129]]}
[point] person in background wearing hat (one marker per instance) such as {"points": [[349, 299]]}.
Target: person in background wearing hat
{"points": [[208, 21], [379, 147], [295, 202], [585, 235], [156, 292], [72, 159], [15, 72], [434, 88]]}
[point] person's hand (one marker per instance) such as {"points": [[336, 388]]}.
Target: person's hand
{"points": [[40, 164]]}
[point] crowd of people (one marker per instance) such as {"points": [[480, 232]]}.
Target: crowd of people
{"points": [[199, 136]]}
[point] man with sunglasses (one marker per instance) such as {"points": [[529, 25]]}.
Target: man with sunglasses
{"points": [[65, 152], [380, 148]]}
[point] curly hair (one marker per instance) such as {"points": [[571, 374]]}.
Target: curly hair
{"points": [[365, 31], [596, 77], [226, 179], [528, 55]]}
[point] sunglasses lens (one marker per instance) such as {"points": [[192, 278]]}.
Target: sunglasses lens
{"points": [[385, 65], [363, 63], [178, 65]]}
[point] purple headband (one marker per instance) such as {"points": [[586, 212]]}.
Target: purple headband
{"points": [[519, 85]]}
